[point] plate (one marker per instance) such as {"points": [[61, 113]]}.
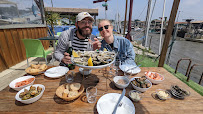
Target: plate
{"points": [[107, 102], [56, 72], [31, 100], [12, 84], [125, 67], [96, 67]]}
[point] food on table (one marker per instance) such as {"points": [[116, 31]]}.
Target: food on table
{"points": [[71, 90], [65, 92], [135, 96], [33, 66], [154, 75], [90, 62], [179, 91], [42, 67], [24, 82], [32, 92], [98, 58], [33, 69], [75, 86], [122, 82], [162, 94], [73, 93], [141, 82], [74, 54]]}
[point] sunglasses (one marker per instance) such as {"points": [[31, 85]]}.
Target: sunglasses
{"points": [[106, 27]]}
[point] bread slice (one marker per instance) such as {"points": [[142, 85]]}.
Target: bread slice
{"points": [[75, 86], [66, 91], [73, 93], [68, 86]]}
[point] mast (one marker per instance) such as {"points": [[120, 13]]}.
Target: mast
{"points": [[148, 21], [162, 22], [129, 21], [126, 7]]}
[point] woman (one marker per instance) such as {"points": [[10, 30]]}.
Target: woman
{"points": [[119, 44]]}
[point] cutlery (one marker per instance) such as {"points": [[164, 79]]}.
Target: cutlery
{"points": [[117, 104]]}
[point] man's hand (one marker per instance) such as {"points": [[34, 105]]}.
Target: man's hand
{"points": [[66, 59], [96, 44]]}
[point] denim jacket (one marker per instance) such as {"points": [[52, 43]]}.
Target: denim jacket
{"points": [[123, 48]]}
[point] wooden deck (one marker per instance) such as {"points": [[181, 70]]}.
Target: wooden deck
{"points": [[50, 103]]}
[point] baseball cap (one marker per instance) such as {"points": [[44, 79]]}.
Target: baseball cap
{"points": [[82, 15]]}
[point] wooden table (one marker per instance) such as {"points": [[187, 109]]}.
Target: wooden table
{"points": [[50, 103]]}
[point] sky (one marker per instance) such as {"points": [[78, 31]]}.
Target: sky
{"points": [[187, 8]]}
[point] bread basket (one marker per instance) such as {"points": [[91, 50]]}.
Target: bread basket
{"points": [[60, 89], [40, 71]]}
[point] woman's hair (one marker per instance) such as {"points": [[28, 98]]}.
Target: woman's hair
{"points": [[104, 20]]}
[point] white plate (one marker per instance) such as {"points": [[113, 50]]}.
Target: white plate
{"points": [[125, 67], [12, 84], [31, 100], [107, 102], [56, 72]]}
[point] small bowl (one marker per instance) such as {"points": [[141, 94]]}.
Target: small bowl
{"points": [[121, 86], [31, 100], [178, 94], [85, 71], [153, 80], [139, 88], [134, 99], [13, 83], [158, 92]]}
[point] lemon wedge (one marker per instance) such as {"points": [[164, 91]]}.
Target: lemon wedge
{"points": [[90, 62], [74, 54], [105, 49]]}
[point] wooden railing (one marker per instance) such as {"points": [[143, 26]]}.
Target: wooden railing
{"points": [[12, 50]]}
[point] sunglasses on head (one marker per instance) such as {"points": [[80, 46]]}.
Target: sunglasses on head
{"points": [[106, 27]]}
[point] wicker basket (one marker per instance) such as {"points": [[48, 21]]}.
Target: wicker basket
{"points": [[27, 70], [60, 89]]}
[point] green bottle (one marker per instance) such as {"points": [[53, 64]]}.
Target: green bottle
{"points": [[70, 49]]}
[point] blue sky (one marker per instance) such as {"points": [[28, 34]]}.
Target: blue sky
{"points": [[189, 8]]}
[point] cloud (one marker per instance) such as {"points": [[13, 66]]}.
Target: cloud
{"points": [[191, 2]]}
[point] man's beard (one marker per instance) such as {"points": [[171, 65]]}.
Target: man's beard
{"points": [[83, 32]]}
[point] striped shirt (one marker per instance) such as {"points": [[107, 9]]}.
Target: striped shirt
{"points": [[63, 43], [79, 44]]}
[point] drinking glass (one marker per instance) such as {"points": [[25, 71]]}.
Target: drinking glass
{"points": [[70, 77], [91, 93], [89, 45]]}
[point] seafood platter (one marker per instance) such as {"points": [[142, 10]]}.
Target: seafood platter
{"points": [[93, 59]]}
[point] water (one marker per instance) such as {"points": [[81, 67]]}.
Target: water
{"points": [[182, 49], [69, 78], [92, 99]]}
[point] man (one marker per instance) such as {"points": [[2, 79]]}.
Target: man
{"points": [[79, 37], [119, 44]]}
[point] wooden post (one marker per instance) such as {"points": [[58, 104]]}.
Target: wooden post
{"points": [[126, 6], [168, 32], [129, 21]]}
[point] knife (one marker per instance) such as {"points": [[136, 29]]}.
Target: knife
{"points": [[115, 108]]}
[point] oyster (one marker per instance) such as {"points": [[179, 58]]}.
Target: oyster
{"points": [[98, 57]]}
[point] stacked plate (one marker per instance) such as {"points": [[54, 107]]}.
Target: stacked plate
{"points": [[179, 92]]}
